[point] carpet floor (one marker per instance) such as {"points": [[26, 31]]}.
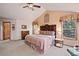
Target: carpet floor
{"points": [[19, 48]]}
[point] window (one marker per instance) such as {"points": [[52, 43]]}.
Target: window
{"points": [[46, 18], [69, 28]]}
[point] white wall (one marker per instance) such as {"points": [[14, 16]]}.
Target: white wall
{"points": [[20, 16], [19, 29]]}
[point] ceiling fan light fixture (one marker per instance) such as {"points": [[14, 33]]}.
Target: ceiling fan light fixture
{"points": [[30, 5]]}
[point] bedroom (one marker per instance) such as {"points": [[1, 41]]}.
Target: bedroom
{"points": [[22, 19]]}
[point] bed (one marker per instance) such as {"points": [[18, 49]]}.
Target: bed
{"points": [[42, 42]]}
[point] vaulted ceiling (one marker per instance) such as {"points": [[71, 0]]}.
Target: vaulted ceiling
{"points": [[15, 10], [73, 7]]}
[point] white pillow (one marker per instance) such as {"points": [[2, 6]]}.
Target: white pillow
{"points": [[52, 33]]}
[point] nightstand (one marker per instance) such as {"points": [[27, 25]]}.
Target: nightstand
{"points": [[59, 43]]}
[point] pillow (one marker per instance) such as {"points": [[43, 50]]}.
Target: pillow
{"points": [[77, 49], [52, 33]]}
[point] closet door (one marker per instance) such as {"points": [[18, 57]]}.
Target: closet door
{"points": [[6, 30]]}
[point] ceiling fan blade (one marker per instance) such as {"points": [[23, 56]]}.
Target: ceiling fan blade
{"points": [[25, 6], [29, 3], [37, 6]]}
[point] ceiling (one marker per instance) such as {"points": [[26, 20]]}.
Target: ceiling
{"points": [[61, 6], [15, 10], [51, 6]]}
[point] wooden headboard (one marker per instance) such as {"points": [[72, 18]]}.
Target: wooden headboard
{"points": [[48, 28]]}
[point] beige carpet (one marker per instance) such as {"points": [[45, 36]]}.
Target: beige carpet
{"points": [[19, 48]]}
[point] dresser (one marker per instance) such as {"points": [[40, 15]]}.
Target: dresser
{"points": [[23, 34]]}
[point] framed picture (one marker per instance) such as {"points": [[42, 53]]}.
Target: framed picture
{"points": [[24, 26]]}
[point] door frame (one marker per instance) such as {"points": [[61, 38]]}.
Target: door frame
{"points": [[3, 28]]}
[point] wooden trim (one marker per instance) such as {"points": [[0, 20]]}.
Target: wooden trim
{"points": [[3, 28]]}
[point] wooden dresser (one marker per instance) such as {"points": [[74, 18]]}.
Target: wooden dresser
{"points": [[23, 34]]}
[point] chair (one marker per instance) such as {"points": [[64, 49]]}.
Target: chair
{"points": [[73, 51]]}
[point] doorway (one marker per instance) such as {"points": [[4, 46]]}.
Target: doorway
{"points": [[6, 30]]}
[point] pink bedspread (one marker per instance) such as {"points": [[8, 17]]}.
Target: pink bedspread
{"points": [[42, 41]]}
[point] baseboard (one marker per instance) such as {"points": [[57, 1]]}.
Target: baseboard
{"points": [[68, 45]]}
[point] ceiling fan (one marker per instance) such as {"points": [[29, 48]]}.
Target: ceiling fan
{"points": [[31, 6]]}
